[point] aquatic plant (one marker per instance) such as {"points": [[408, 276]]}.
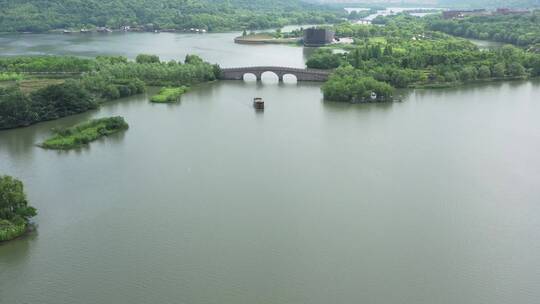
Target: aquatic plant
{"points": [[84, 133], [168, 95]]}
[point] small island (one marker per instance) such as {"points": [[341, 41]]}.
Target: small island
{"points": [[84, 133], [14, 210], [169, 95]]}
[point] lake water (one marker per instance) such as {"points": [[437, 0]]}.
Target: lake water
{"points": [[218, 48], [431, 200], [486, 44]]}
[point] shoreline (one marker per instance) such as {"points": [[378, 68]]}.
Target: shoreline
{"points": [[178, 31], [28, 228], [265, 39]]}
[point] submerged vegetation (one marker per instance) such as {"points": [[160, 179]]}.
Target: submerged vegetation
{"points": [[14, 210], [169, 95], [84, 133], [86, 83]]}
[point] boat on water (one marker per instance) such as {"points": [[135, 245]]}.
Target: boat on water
{"points": [[258, 103]]}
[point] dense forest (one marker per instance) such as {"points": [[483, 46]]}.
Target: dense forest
{"points": [[103, 78], [405, 53], [518, 29], [488, 3], [212, 15], [434, 3]]}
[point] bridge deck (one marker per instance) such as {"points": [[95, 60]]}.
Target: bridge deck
{"points": [[300, 73]]}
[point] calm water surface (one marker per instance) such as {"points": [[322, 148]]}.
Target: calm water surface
{"points": [[216, 48], [431, 200], [486, 44]]}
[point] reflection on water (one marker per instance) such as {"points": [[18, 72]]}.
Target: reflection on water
{"points": [[357, 107], [16, 252]]}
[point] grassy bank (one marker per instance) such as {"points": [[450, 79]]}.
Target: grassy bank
{"points": [[84, 133], [9, 231], [169, 95]]}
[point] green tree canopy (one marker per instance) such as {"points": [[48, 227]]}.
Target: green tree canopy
{"points": [[13, 204]]}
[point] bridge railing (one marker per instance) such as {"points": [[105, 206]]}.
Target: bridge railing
{"points": [[275, 68]]}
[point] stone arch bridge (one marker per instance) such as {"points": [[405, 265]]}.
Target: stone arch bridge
{"points": [[300, 74]]}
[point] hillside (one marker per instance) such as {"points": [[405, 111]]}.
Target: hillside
{"points": [[439, 3], [213, 15], [490, 3]]}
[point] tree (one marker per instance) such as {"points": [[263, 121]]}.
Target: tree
{"points": [[193, 59], [13, 204], [353, 15], [450, 76], [144, 58], [484, 72], [498, 70], [388, 51], [468, 73], [357, 58], [111, 92], [324, 59], [14, 108], [516, 69], [348, 84], [61, 100], [535, 65]]}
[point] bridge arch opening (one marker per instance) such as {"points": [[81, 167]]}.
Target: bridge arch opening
{"points": [[249, 77], [270, 77], [290, 79]]}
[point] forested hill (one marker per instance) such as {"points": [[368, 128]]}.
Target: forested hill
{"points": [[489, 3], [212, 15], [518, 29], [437, 3]]}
